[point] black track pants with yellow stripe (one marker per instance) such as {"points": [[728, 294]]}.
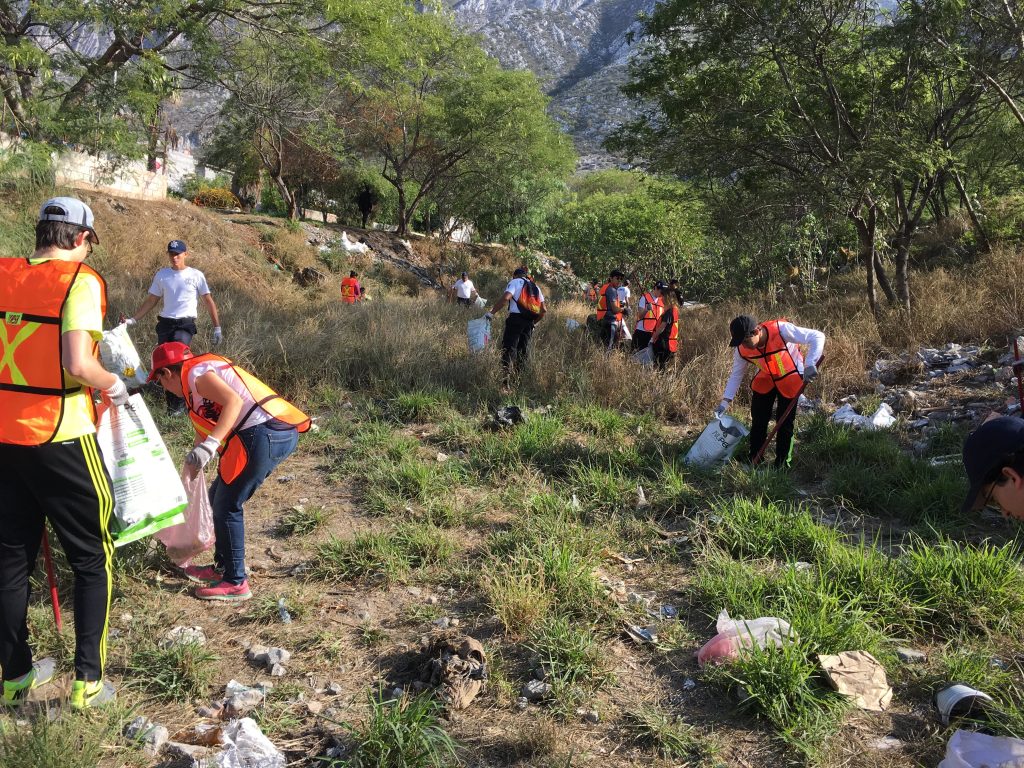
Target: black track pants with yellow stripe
{"points": [[66, 484]]}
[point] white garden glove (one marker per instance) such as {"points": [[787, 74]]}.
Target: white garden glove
{"points": [[218, 335], [117, 393], [200, 456], [721, 409], [810, 373], [488, 316]]}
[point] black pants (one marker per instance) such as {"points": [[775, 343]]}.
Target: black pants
{"points": [[641, 339], [515, 342], [761, 414], [67, 484], [662, 357], [467, 302], [175, 329]]}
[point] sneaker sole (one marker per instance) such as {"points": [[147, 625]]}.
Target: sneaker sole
{"points": [[197, 580], [225, 598]]}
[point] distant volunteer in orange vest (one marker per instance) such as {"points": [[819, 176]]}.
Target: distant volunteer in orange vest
{"points": [[774, 347], [251, 427], [665, 339], [51, 318], [351, 291], [650, 306]]}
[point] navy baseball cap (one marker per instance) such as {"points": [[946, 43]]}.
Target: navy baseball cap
{"points": [[740, 328], [986, 450], [661, 286], [177, 246], [70, 210], [520, 272]]}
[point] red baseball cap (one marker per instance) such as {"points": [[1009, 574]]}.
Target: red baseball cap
{"points": [[167, 354]]}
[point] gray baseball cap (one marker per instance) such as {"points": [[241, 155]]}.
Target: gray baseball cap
{"points": [[70, 210]]}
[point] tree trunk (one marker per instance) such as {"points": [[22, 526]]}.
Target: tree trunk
{"points": [[965, 200], [403, 213], [883, 280], [866, 250], [903, 270]]}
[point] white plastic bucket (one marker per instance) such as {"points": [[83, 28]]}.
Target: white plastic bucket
{"points": [[479, 333], [717, 442], [959, 700]]}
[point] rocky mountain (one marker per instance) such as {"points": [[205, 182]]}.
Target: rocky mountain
{"points": [[577, 48]]}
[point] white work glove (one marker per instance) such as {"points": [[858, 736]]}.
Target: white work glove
{"points": [[130, 321], [721, 409], [200, 456], [810, 373], [117, 393], [488, 316], [218, 335]]}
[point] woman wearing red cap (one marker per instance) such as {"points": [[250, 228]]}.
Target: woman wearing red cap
{"points": [[251, 427]]}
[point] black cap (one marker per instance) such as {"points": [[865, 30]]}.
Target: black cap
{"points": [[740, 328], [661, 286], [616, 273], [520, 272], [986, 450]]}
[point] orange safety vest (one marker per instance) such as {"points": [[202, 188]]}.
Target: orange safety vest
{"points": [[673, 331], [349, 290], [651, 315], [233, 456], [602, 303], [778, 363], [32, 385]]}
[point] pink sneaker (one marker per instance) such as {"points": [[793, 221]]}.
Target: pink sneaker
{"points": [[202, 574], [225, 591]]}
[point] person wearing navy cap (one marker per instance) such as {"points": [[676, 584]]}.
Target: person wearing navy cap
{"points": [[180, 287], [994, 461]]}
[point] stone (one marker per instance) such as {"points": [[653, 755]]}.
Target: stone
{"points": [[183, 636], [535, 690], [151, 736], [191, 755], [268, 657], [911, 655], [592, 716], [314, 707], [278, 670], [333, 689], [432, 600], [414, 591], [443, 623], [522, 703]]}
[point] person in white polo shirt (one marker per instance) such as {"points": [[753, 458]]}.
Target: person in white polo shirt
{"points": [[180, 287], [464, 290]]}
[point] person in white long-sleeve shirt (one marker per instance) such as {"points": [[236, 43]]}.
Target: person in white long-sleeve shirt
{"points": [[774, 347]]}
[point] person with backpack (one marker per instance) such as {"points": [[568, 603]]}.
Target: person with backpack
{"points": [[525, 309], [774, 347], [251, 428]]}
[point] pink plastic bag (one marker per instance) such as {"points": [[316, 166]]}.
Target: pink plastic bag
{"points": [[735, 634], [195, 535]]}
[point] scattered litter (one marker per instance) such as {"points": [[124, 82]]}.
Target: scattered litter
{"points": [[535, 690], [457, 667], [961, 700], [886, 743], [644, 357], [735, 634], [858, 674], [642, 635], [669, 611], [245, 746], [282, 612], [478, 333], [641, 498], [183, 636], [880, 419], [285, 478], [241, 699], [911, 655], [268, 657], [717, 442], [571, 324], [351, 245], [506, 416], [967, 749], [689, 684], [591, 716]]}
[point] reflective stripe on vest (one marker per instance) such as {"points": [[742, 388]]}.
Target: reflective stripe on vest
{"points": [[349, 290], [602, 303], [32, 385], [776, 365], [652, 314], [233, 456]]}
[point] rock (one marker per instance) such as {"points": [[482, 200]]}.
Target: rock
{"points": [[268, 657], [522, 703], [242, 699], [535, 690], [190, 755], [443, 623], [333, 689], [432, 600], [278, 670], [183, 636], [314, 707], [911, 655], [414, 591], [149, 734]]}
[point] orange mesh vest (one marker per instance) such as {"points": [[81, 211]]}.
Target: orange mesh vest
{"points": [[233, 456], [651, 315], [349, 290], [602, 303], [32, 386], [673, 331], [777, 366]]}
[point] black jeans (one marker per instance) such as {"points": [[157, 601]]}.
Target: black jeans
{"points": [[175, 329], [515, 342], [467, 302], [641, 339], [662, 356], [67, 484], [761, 414]]}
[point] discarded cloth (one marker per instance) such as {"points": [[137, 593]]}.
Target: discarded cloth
{"points": [[736, 634]]}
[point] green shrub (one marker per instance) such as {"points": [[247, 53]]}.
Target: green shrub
{"points": [[399, 734], [181, 672], [215, 197]]}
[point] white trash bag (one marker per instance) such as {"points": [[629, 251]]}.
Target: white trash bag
{"points": [[245, 746], [351, 245], [968, 749], [480, 302], [194, 536], [736, 634], [717, 442], [148, 495], [479, 333], [645, 356], [571, 324], [119, 356]]}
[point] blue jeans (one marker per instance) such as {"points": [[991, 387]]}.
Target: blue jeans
{"points": [[266, 449]]}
